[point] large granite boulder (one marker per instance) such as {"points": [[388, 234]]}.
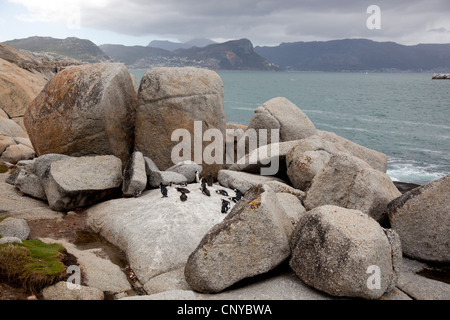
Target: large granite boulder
{"points": [[252, 239], [18, 87], [422, 219], [349, 182], [85, 110], [158, 234], [310, 155], [174, 98], [280, 113], [345, 253]]}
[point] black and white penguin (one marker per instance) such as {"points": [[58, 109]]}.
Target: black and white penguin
{"points": [[222, 192], [205, 191], [183, 197], [182, 190], [225, 206], [210, 180], [197, 177], [163, 190], [203, 183], [237, 197]]}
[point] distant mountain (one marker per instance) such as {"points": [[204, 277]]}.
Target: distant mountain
{"points": [[230, 55], [79, 49], [358, 55], [172, 46]]}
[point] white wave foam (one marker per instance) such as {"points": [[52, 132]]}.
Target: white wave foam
{"points": [[408, 172]]}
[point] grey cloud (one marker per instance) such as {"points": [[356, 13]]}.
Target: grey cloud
{"points": [[264, 22]]}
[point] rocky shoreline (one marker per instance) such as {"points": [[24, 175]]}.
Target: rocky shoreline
{"points": [[328, 224], [441, 76]]}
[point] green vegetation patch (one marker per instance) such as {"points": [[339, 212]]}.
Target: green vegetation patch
{"points": [[3, 168], [32, 264]]}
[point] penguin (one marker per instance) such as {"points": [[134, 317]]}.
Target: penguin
{"points": [[183, 197], [210, 180], [203, 183], [206, 192], [163, 190], [182, 190], [225, 206], [197, 177], [237, 197], [222, 192]]}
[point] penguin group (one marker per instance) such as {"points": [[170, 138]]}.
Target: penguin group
{"points": [[205, 182]]}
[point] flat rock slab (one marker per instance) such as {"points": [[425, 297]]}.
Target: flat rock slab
{"points": [[282, 286], [81, 181], [158, 234], [15, 205]]}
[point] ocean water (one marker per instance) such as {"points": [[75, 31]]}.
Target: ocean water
{"points": [[404, 115]]}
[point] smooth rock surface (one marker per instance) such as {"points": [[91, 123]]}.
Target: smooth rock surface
{"points": [[157, 234]]}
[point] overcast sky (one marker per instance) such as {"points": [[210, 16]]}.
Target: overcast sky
{"points": [[137, 22]]}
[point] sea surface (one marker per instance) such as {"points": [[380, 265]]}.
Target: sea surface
{"points": [[404, 115]]}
